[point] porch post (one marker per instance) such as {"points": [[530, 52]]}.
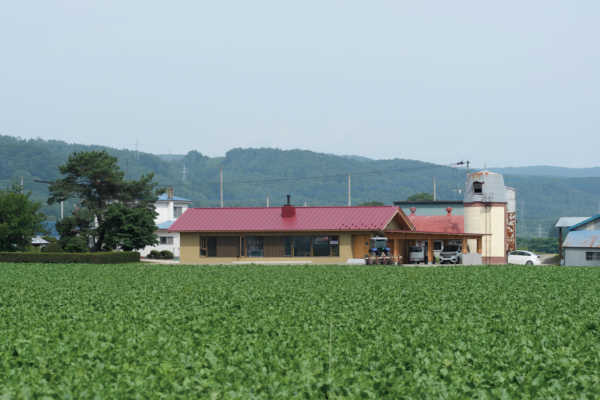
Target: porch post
{"points": [[396, 249], [464, 246], [479, 245], [429, 251]]}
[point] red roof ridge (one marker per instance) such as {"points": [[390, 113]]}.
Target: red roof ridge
{"points": [[277, 207]]}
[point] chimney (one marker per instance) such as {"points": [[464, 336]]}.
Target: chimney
{"points": [[413, 210], [449, 211], [288, 210], [170, 193]]}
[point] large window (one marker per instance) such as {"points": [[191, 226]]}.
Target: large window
{"points": [[255, 246], [592, 255], [177, 211], [325, 246], [270, 246], [477, 187], [302, 246], [208, 246]]}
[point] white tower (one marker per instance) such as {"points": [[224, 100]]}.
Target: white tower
{"points": [[485, 212]]}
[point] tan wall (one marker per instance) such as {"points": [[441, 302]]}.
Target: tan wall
{"points": [[190, 252], [487, 220], [394, 226]]}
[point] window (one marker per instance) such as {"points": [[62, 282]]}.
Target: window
{"points": [[208, 247], [592, 255], [255, 246], [321, 246], [477, 187], [177, 211], [325, 246], [302, 246], [288, 245], [203, 247], [166, 239]]}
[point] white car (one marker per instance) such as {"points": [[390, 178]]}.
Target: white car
{"points": [[523, 257]]}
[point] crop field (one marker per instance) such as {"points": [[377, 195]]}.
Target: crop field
{"points": [[306, 332]]}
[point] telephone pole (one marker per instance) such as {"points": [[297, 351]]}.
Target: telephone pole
{"points": [[349, 190], [221, 185]]}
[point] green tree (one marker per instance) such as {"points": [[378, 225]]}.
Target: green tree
{"points": [[20, 219], [129, 228], [75, 231], [97, 182], [420, 197]]}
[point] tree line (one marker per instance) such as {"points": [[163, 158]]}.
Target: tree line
{"points": [[111, 212]]}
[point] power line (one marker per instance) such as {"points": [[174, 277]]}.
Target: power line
{"points": [[344, 175]]}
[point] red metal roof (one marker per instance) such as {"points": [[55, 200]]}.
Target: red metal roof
{"points": [[270, 219], [438, 223]]}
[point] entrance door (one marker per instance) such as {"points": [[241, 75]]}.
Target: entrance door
{"points": [[360, 246]]}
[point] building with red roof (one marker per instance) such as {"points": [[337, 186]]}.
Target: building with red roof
{"points": [[304, 234]]}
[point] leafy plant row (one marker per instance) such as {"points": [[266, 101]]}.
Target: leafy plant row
{"points": [[298, 332]]}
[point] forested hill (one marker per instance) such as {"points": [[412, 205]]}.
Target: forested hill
{"points": [[250, 175], [546, 170]]}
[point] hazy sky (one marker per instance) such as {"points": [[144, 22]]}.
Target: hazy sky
{"points": [[504, 83]]}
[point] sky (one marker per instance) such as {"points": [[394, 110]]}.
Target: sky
{"points": [[504, 83]]}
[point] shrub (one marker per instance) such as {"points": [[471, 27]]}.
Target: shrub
{"points": [[154, 254], [54, 247], [166, 255], [65, 258], [76, 244]]}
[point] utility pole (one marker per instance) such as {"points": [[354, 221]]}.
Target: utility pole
{"points": [[268, 201], [349, 190], [22, 186], [434, 190], [221, 185], [184, 173]]}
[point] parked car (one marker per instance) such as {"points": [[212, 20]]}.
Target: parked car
{"points": [[451, 254], [523, 257], [416, 254]]}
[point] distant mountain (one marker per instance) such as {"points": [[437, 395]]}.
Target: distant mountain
{"points": [[357, 158], [547, 170], [252, 175]]}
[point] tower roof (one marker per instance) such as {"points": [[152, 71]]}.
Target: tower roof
{"points": [[485, 187]]}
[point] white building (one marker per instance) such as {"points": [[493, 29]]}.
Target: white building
{"points": [[485, 210], [169, 208]]}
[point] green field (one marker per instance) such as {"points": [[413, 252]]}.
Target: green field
{"points": [[152, 331]]}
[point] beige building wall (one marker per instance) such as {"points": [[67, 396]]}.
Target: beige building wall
{"points": [[491, 220], [190, 252]]}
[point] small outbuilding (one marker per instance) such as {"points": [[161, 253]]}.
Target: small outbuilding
{"points": [[582, 248]]}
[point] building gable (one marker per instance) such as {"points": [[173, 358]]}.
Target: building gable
{"points": [[589, 224]]}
